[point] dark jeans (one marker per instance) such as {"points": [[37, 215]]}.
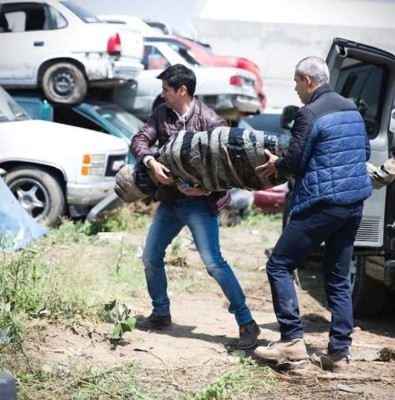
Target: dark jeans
{"points": [[337, 227]]}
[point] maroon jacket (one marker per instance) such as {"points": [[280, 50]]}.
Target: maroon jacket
{"points": [[164, 123]]}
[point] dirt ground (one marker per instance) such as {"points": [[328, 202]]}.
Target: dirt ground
{"points": [[197, 349]]}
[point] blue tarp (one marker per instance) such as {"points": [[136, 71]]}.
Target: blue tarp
{"points": [[17, 227]]}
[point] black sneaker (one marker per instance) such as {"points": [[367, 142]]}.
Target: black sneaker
{"points": [[153, 322], [248, 336]]}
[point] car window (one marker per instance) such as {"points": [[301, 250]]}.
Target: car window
{"points": [[120, 122], [364, 83], [186, 53], [154, 59], [69, 116], [33, 108], [124, 121], [4, 25], [23, 17], [58, 21], [9, 109]]}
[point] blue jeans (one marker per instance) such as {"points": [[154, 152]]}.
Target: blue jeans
{"points": [[337, 227], [192, 212]]}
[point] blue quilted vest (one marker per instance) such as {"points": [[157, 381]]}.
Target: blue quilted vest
{"points": [[333, 167]]}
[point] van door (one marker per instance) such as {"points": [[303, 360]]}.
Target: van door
{"points": [[366, 75]]}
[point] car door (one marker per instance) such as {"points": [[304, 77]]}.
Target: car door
{"points": [[367, 75], [31, 26]]}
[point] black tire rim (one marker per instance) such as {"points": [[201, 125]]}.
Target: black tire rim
{"points": [[33, 197], [63, 83]]}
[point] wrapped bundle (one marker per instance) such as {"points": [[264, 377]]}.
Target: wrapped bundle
{"points": [[132, 183], [218, 159], [223, 158]]}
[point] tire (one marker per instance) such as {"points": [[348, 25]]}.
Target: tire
{"points": [[368, 296], [39, 194], [64, 83]]}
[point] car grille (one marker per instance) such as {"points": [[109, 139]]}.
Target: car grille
{"points": [[113, 161]]}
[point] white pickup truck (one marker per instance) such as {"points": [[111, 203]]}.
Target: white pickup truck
{"points": [[53, 169]]}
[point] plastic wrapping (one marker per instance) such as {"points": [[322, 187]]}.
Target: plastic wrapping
{"points": [[223, 158], [218, 159], [17, 227]]}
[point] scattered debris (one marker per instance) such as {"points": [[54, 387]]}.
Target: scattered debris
{"points": [[143, 347], [348, 389], [383, 354]]}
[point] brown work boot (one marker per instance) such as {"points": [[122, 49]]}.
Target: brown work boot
{"points": [[283, 351], [330, 362], [248, 336], [154, 323]]}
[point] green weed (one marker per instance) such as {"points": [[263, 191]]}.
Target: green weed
{"points": [[258, 218], [119, 315], [72, 272], [80, 382], [246, 378], [70, 232], [20, 292]]}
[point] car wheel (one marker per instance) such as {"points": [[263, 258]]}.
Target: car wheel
{"points": [[64, 83], [39, 194], [368, 296]]}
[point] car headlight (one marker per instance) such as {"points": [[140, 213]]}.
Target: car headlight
{"points": [[93, 164]]}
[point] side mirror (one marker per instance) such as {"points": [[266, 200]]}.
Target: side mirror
{"points": [[288, 116]]}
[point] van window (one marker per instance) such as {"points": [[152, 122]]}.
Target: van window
{"points": [[364, 83]]}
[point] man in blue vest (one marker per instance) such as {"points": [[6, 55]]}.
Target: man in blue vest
{"points": [[327, 157]]}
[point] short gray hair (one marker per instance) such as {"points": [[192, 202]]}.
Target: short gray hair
{"points": [[314, 67]]}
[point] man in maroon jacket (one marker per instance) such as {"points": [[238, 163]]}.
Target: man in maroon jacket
{"points": [[183, 206]]}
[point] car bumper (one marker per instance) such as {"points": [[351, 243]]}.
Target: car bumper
{"points": [[240, 103], [88, 194], [102, 67], [270, 200], [247, 105], [127, 69]]}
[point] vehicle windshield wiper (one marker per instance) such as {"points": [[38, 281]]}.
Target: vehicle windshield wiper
{"points": [[20, 116]]}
